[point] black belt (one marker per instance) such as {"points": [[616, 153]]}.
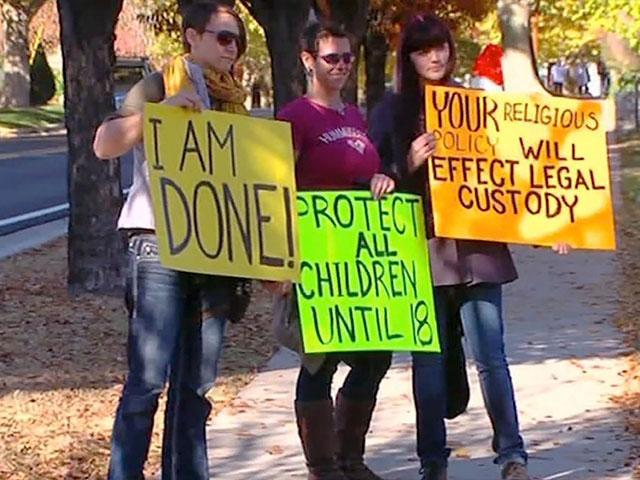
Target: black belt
{"points": [[132, 232]]}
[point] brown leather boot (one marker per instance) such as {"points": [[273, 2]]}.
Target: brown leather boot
{"points": [[316, 428], [352, 424]]}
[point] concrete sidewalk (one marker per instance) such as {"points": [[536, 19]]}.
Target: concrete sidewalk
{"points": [[565, 361], [32, 237]]}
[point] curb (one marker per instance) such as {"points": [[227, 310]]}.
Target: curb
{"points": [[32, 237], [12, 133]]}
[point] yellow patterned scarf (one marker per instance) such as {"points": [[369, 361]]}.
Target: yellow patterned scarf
{"points": [[228, 93]]}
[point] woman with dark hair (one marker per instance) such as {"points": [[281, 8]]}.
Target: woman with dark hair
{"points": [[332, 152], [468, 275], [176, 319]]}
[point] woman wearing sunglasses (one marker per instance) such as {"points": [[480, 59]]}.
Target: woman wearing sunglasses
{"points": [[332, 152], [176, 319]]}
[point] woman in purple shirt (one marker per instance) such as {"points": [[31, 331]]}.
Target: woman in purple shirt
{"points": [[332, 152], [468, 275]]}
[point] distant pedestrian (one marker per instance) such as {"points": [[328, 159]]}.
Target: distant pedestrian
{"points": [[580, 77], [559, 74], [605, 79]]}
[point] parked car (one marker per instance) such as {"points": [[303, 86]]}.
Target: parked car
{"points": [[127, 71]]}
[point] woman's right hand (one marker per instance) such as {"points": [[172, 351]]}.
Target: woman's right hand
{"points": [[562, 248], [381, 185], [185, 99], [421, 148]]}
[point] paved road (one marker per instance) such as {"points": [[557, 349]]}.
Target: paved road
{"points": [[33, 177]]}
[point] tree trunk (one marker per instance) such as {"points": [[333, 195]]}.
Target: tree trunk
{"points": [[352, 15], [283, 22], [518, 63], [376, 49], [95, 247], [15, 21]]}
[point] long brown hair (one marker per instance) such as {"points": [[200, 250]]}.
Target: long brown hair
{"points": [[421, 33]]}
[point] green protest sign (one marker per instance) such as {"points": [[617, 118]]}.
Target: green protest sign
{"points": [[365, 280]]}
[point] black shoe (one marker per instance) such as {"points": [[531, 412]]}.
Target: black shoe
{"points": [[433, 472]]}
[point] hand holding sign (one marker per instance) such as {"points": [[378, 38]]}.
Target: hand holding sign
{"points": [[562, 248], [421, 148], [185, 99], [381, 185]]}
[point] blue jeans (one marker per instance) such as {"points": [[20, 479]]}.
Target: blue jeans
{"points": [[480, 309], [175, 332]]}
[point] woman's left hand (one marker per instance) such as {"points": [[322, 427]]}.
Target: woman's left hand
{"points": [[381, 185], [277, 288], [562, 248]]}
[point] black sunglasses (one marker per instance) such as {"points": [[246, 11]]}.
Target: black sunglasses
{"points": [[225, 37], [334, 58]]}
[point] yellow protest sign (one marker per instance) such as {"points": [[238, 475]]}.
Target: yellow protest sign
{"points": [[223, 190], [519, 168]]}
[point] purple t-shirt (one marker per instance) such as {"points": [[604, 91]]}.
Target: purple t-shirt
{"points": [[333, 148]]}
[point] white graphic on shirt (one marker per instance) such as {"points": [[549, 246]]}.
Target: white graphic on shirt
{"points": [[356, 138], [357, 145]]}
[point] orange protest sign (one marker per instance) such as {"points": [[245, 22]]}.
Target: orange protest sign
{"points": [[519, 168]]}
